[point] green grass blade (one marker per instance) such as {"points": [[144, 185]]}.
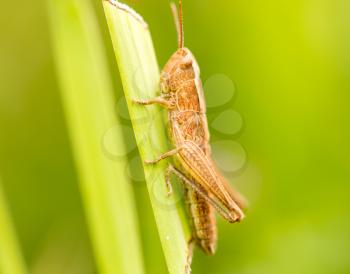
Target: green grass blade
{"points": [[89, 105], [140, 76], [11, 261]]}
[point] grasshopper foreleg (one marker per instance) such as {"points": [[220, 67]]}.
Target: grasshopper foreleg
{"points": [[157, 100]]}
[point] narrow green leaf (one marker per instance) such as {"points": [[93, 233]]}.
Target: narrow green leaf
{"points": [[140, 76], [11, 261], [89, 104]]}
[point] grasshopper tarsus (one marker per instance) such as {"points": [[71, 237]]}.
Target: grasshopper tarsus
{"points": [[149, 162], [139, 102], [190, 245]]}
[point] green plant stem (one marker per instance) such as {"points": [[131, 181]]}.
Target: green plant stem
{"points": [[140, 77], [11, 261], [89, 105]]}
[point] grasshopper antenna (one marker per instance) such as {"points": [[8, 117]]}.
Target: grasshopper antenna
{"points": [[178, 19]]}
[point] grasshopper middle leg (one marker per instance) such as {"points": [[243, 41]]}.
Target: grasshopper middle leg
{"points": [[164, 156]]}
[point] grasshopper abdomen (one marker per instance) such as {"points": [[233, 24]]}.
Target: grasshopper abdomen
{"points": [[203, 221]]}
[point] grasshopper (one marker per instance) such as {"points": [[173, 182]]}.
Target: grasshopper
{"points": [[206, 189]]}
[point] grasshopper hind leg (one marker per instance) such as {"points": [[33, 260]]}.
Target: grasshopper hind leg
{"points": [[202, 216], [225, 212]]}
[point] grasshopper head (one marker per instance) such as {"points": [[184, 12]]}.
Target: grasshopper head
{"points": [[181, 67]]}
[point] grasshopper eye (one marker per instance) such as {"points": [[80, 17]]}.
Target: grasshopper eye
{"points": [[187, 63]]}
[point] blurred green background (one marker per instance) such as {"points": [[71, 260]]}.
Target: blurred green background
{"points": [[290, 63]]}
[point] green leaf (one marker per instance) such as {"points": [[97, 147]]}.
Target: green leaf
{"points": [[140, 77], [11, 261], [89, 105]]}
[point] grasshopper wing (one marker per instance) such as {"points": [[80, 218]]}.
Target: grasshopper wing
{"points": [[240, 200], [208, 181]]}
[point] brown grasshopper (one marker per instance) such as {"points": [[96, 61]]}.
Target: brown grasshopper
{"points": [[205, 187]]}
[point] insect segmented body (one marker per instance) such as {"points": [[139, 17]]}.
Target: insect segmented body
{"points": [[206, 189], [181, 83]]}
